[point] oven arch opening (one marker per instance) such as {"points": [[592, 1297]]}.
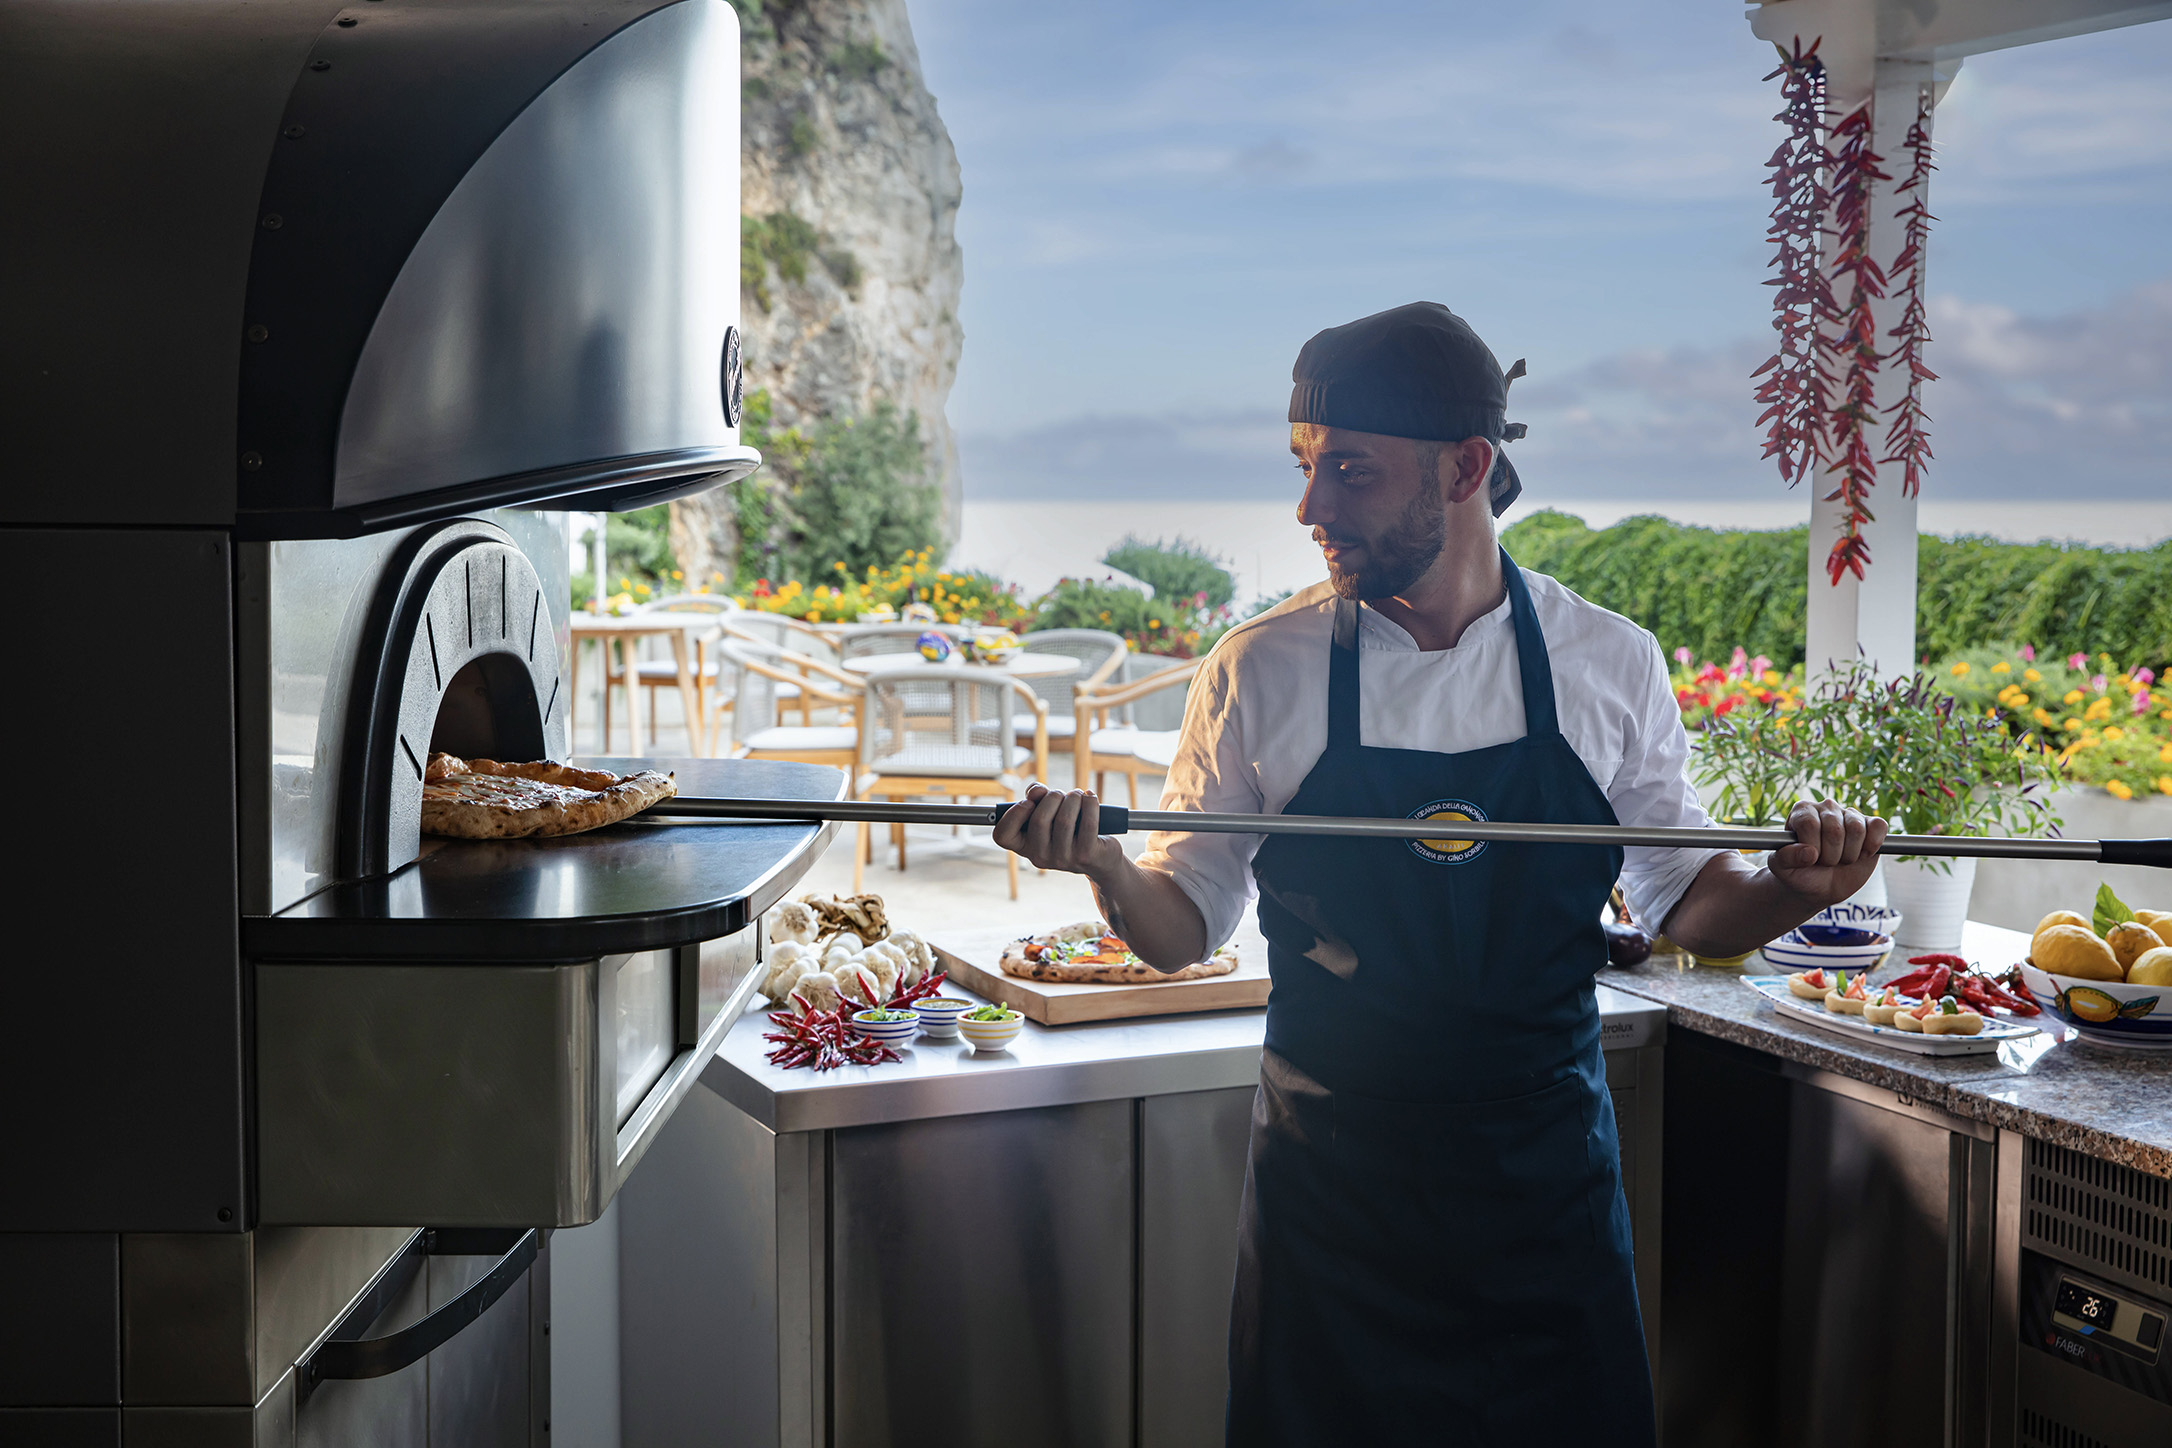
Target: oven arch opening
{"points": [[490, 711], [460, 654]]}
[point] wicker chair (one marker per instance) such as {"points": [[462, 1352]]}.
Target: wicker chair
{"points": [[974, 757], [1101, 749], [764, 670], [1101, 660], [712, 695]]}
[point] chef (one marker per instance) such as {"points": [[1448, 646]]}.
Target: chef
{"points": [[1434, 1247]]}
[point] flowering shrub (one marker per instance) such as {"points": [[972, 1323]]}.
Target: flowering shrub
{"points": [[967, 598], [2101, 724], [1706, 691], [1175, 628]]}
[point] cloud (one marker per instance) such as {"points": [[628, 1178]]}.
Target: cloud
{"points": [[2087, 394]]}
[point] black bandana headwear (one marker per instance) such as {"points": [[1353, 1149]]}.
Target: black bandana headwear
{"points": [[1412, 371]]}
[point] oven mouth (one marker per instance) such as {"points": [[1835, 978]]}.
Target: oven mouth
{"points": [[460, 655]]}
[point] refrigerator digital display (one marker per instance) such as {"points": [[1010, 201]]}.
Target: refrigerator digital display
{"points": [[2090, 1308]]}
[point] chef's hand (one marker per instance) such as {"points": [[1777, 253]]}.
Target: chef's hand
{"points": [[1834, 853], [1060, 830]]}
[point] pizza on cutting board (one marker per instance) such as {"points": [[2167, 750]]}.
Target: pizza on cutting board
{"points": [[482, 799], [1087, 954]]}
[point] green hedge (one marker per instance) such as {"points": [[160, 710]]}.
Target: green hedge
{"points": [[1710, 591]]}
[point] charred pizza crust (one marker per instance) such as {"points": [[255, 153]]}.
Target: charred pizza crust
{"points": [[482, 799], [1136, 972]]}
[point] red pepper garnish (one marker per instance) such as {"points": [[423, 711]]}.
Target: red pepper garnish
{"points": [[1941, 977], [1939, 958]]}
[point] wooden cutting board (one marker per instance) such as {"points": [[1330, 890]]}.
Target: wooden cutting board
{"points": [[971, 957]]}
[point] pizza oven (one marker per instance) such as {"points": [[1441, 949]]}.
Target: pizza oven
{"points": [[317, 317]]}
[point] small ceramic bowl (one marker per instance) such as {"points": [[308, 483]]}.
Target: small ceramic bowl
{"points": [[1813, 946], [992, 1035], [1881, 919], [939, 1016], [890, 1033], [2109, 1012]]}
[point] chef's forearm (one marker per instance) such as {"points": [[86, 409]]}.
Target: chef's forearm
{"points": [[1152, 913], [1733, 907]]}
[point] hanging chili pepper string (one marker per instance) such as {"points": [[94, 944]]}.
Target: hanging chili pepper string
{"points": [[1909, 444], [1796, 391], [1854, 343]]}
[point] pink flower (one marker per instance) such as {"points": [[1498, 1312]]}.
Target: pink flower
{"points": [[2145, 677], [1682, 656], [2096, 682], [2141, 702], [1759, 664], [2028, 653], [2075, 661]]}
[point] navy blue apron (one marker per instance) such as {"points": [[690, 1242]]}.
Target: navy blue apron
{"points": [[1434, 1247]]}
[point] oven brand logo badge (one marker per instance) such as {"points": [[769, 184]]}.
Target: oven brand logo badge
{"points": [[1448, 851]]}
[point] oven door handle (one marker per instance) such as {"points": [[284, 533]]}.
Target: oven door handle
{"points": [[347, 1354]]}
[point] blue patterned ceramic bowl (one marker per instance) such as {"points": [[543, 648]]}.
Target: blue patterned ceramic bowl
{"points": [[1829, 947], [890, 1033]]}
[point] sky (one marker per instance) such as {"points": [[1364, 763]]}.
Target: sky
{"points": [[1162, 201]]}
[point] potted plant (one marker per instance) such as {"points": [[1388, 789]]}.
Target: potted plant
{"points": [[1908, 750]]}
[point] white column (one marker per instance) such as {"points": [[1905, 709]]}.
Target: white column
{"points": [[1875, 617]]}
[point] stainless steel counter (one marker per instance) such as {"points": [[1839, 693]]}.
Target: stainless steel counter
{"points": [[1045, 1066], [1050, 1229]]}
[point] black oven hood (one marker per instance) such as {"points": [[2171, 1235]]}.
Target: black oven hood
{"points": [[306, 269]]}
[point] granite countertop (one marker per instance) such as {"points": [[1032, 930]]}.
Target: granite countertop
{"points": [[2111, 1103]]}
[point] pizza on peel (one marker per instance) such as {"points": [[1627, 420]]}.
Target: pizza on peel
{"points": [[1087, 954], [482, 799]]}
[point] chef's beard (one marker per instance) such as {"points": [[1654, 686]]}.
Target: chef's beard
{"points": [[1399, 556]]}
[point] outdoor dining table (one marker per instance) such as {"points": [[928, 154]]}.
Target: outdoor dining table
{"points": [[628, 630], [1027, 665]]}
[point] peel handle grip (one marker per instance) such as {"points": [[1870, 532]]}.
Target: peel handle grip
{"points": [[2114, 852]]}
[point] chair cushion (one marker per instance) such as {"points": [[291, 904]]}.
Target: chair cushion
{"points": [[668, 671], [801, 737], [1060, 726], [1114, 741]]}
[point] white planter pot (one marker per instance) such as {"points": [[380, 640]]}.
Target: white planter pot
{"points": [[1933, 903]]}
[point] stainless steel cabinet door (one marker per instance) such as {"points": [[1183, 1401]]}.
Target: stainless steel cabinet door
{"points": [[983, 1280], [1192, 1152]]}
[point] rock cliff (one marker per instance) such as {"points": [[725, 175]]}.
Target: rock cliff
{"points": [[850, 265]]}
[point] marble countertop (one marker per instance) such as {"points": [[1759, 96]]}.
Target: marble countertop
{"points": [[2111, 1103]]}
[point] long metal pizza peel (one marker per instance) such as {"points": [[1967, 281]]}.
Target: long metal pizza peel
{"points": [[1117, 820]]}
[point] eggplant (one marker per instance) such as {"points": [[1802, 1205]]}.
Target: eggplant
{"points": [[1626, 944]]}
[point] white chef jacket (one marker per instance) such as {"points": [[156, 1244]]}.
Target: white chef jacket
{"points": [[1256, 723]]}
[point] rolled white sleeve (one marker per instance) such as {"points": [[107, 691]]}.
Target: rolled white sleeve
{"points": [[1212, 772], [1652, 788]]}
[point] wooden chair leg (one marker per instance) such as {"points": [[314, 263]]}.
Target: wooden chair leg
{"points": [[1131, 778], [901, 848], [859, 856], [1010, 861], [1101, 784]]}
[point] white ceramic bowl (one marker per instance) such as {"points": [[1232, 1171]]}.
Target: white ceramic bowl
{"points": [[1883, 919], [890, 1033], [2109, 1012], [992, 1035], [1812, 946], [939, 1016]]}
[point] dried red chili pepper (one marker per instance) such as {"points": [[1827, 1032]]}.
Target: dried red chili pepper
{"points": [[1939, 958]]}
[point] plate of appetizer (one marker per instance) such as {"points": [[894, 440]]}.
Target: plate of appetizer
{"points": [[1936, 1010]]}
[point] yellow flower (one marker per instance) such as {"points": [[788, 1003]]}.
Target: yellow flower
{"points": [[1153, 623], [2114, 732], [624, 584], [2071, 725], [2002, 667], [1772, 676], [1104, 615], [1960, 668], [2100, 709], [2164, 755], [2164, 784], [2032, 676], [641, 588], [716, 578], [675, 573], [2073, 696], [2118, 790], [813, 615], [701, 588], [950, 618], [2042, 716]]}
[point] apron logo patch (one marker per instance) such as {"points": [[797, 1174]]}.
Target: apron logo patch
{"points": [[1447, 851]]}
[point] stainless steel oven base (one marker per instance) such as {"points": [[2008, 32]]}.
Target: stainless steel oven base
{"points": [[479, 1095]]}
